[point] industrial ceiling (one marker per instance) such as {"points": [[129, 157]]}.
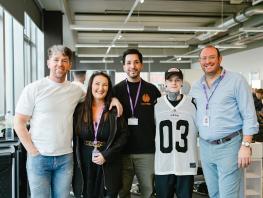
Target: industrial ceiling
{"points": [[165, 31]]}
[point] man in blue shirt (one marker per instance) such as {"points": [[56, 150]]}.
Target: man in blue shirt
{"points": [[226, 121]]}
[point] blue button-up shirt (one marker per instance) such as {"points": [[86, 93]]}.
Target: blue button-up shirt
{"points": [[230, 107]]}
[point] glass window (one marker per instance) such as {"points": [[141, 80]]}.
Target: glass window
{"points": [[157, 78], [40, 55], [27, 61], [27, 25], [19, 80], [2, 77], [27, 50], [119, 76], [21, 58], [34, 51], [9, 57]]}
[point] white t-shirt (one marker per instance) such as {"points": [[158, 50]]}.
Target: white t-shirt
{"points": [[51, 106], [175, 140]]}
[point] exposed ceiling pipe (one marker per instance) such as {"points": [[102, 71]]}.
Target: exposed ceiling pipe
{"points": [[119, 32], [235, 20], [230, 22], [233, 36]]}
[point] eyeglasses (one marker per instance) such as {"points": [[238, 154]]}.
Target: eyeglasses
{"points": [[209, 58]]}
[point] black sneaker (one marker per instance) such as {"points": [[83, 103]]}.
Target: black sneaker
{"points": [[200, 188]]}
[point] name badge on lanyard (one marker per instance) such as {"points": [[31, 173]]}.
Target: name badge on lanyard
{"points": [[206, 119], [133, 120]]}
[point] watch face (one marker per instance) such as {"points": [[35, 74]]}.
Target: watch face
{"points": [[247, 144]]}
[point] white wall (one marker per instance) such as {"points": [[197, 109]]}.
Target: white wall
{"points": [[192, 75], [245, 62]]}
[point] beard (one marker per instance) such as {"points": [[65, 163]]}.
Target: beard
{"points": [[134, 75]]}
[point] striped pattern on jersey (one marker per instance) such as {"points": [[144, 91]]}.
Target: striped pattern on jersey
{"points": [[175, 140]]}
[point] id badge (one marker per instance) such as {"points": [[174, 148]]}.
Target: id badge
{"points": [[132, 121], [206, 121], [95, 153]]}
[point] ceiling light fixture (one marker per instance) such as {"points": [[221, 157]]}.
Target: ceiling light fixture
{"points": [[178, 58], [154, 56], [106, 27], [148, 61], [119, 37], [225, 46], [96, 61], [145, 61], [101, 45], [167, 61], [253, 30], [161, 46], [186, 56], [192, 29], [142, 1], [230, 46], [98, 55]]}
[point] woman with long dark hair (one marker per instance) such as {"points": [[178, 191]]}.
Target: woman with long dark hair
{"points": [[98, 140]]}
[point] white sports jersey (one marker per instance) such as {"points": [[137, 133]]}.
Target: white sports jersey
{"points": [[175, 140]]}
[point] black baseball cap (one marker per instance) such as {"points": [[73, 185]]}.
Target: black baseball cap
{"points": [[174, 71]]}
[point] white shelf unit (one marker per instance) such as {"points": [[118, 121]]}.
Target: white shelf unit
{"points": [[253, 174]]}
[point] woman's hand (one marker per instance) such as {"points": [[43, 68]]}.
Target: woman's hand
{"points": [[99, 159]]}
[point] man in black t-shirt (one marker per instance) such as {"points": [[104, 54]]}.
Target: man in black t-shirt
{"points": [[138, 98]]}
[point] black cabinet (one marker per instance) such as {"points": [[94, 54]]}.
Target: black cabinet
{"points": [[13, 177], [7, 172]]}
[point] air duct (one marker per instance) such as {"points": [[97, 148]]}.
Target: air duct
{"points": [[242, 16]]}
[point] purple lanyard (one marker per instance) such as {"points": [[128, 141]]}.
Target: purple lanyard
{"points": [[137, 96], [206, 95], [96, 126]]}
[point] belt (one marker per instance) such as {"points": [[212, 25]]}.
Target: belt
{"points": [[98, 144], [225, 139]]}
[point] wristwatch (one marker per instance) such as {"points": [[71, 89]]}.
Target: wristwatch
{"points": [[246, 144]]}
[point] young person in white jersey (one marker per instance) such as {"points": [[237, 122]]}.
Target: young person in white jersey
{"points": [[175, 141]]}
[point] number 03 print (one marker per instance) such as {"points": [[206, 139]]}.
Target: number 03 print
{"points": [[184, 133]]}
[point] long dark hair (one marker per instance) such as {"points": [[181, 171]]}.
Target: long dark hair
{"points": [[85, 116]]}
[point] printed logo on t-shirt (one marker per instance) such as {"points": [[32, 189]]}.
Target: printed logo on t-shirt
{"points": [[146, 99]]}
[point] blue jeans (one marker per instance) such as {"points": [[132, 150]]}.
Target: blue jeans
{"points": [[220, 167], [50, 176]]}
